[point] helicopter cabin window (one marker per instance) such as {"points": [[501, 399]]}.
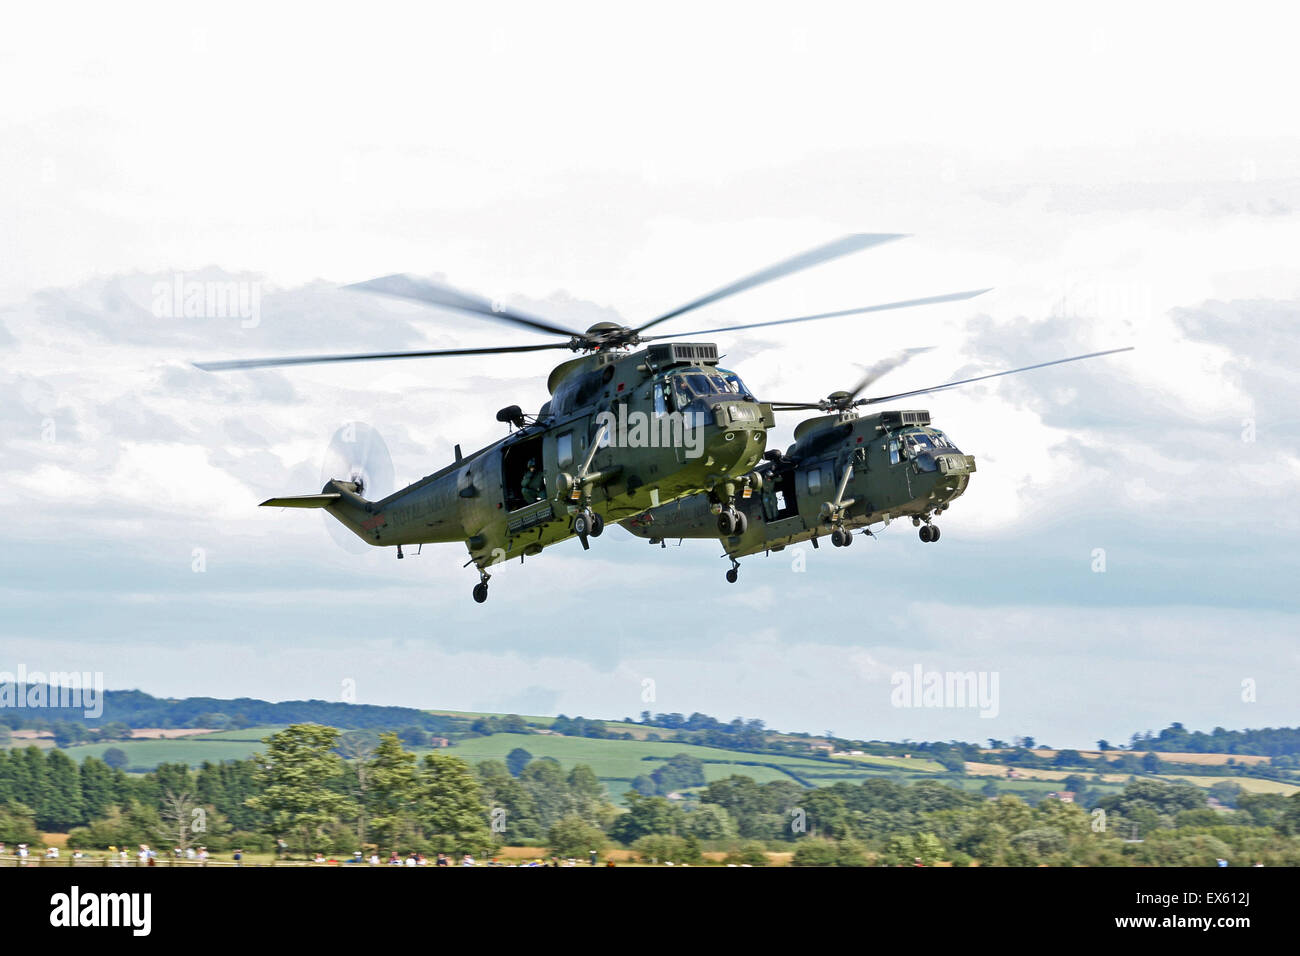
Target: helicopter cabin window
{"points": [[661, 399], [893, 451], [814, 481], [564, 449]]}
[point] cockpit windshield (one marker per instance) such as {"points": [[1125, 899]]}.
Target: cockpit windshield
{"points": [[922, 445], [711, 382]]}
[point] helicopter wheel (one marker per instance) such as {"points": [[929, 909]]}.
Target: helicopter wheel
{"points": [[480, 592], [727, 522], [742, 522], [732, 574], [597, 525], [925, 533], [581, 524], [934, 533], [837, 538], [848, 538]]}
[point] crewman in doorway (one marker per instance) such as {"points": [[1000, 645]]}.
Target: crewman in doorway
{"points": [[533, 487]]}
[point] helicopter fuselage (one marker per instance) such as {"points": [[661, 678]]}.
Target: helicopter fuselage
{"points": [[623, 432], [844, 471]]}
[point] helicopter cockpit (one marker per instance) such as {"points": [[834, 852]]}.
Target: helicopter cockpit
{"points": [[920, 445], [693, 391]]}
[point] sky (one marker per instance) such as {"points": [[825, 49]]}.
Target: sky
{"points": [[1124, 557]]}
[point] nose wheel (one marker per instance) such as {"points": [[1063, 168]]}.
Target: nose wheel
{"points": [[733, 572], [587, 524], [480, 589]]}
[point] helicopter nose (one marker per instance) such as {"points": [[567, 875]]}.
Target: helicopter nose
{"points": [[952, 476], [736, 433]]}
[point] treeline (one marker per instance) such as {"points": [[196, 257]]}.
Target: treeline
{"points": [[1268, 742], [135, 708], [315, 789], [1130, 762]]}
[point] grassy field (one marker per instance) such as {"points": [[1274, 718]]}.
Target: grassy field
{"points": [[626, 759], [1249, 784], [999, 770]]}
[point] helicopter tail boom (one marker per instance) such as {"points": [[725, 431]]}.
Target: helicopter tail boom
{"points": [[301, 501]]}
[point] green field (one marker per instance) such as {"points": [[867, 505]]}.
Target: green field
{"points": [[626, 759]]}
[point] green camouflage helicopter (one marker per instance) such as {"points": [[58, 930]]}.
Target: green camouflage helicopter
{"points": [[844, 472], [624, 431]]}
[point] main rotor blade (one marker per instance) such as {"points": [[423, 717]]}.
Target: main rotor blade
{"points": [[226, 366], [404, 286], [905, 304], [886, 365], [981, 378], [831, 250]]}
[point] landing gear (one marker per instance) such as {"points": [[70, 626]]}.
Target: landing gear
{"points": [[841, 538], [587, 524], [729, 521], [733, 572], [480, 589], [929, 533]]}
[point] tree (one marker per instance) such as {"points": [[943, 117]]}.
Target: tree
{"points": [[574, 836], [517, 760], [646, 816], [358, 749], [546, 786], [678, 773], [748, 853], [179, 819], [296, 781], [392, 792], [116, 758], [97, 790], [414, 736], [18, 824], [63, 806], [450, 805], [709, 821]]}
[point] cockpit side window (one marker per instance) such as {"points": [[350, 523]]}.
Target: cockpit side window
{"points": [[732, 382], [661, 398]]}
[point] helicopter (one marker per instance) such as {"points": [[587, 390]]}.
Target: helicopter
{"points": [[844, 472], [626, 429]]}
